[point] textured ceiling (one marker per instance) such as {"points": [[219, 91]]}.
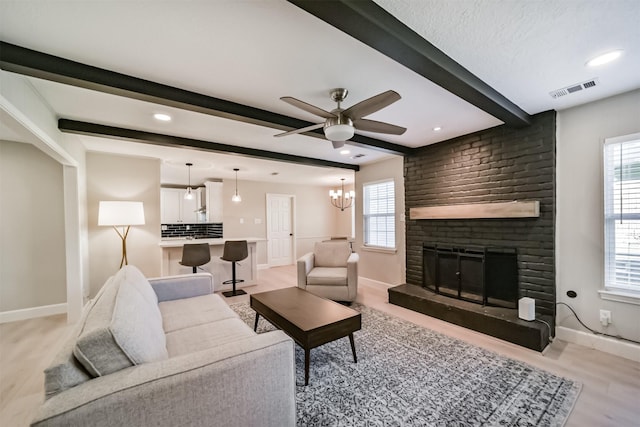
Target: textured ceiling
{"points": [[526, 49]]}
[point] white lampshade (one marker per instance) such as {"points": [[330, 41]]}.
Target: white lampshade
{"points": [[120, 213], [339, 132]]}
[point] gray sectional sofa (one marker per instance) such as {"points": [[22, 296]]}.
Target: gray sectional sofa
{"points": [[168, 352]]}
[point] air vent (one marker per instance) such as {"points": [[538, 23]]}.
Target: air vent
{"points": [[573, 88]]}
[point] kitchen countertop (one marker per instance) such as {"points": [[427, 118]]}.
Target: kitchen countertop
{"points": [[173, 242]]}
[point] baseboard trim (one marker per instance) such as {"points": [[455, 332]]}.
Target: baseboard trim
{"points": [[378, 283], [33, 312], [613, 346], [263, 266]]}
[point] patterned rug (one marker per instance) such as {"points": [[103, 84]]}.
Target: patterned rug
{"points": [[408, 375]]}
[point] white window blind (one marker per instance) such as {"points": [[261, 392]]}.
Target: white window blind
{"points": [[379, 214], [622, 214]]}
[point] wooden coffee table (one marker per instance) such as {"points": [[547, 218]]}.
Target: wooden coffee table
{"points": [[310, 320]]}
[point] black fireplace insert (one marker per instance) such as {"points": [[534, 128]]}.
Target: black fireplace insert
{"points": [[484, 275]]}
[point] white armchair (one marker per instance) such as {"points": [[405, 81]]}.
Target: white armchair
{"points": [[330, 271]]}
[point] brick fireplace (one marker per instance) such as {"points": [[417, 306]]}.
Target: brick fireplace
{"points": [[501, 164]]}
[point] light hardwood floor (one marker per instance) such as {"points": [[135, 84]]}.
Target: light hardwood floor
{"points": [[610, 393]]}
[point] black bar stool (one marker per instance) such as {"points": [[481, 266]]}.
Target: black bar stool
{"points": [[234, 251], [195, 255]]}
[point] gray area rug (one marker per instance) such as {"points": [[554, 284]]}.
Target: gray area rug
{"points": [[408, 375]]}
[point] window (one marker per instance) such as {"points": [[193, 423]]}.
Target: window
{"points": [[622, 214], [379, 214]]}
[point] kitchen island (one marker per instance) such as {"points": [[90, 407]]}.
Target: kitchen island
{"points": [[221, 270]]}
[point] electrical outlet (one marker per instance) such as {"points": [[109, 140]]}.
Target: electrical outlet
{"points": [[605, 317]]}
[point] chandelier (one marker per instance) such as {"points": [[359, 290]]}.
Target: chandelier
{"points": [[342, 199]]}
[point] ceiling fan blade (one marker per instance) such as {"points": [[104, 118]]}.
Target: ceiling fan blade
{"points": [[301, 130], [307, 107], [337, 144], [371, 105], [378, 127]]}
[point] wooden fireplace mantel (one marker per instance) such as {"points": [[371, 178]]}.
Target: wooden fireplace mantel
{"points": [[515, 209]]}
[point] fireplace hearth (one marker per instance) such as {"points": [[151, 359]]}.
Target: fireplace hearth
{"points": [[476, 287], [484, 275], [499, 322]]}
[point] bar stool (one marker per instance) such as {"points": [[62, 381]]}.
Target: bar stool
{"points": [[195, 255], [234, 251]]}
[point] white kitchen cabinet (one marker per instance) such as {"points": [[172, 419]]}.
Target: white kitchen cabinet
{"points": [[175, 209], [213, 190], [170, 205]]}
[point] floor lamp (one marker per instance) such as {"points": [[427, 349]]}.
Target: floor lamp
{"points": [[121, 214]]}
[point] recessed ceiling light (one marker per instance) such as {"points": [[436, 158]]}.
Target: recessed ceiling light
{"points": [[604, 58], [162, 117], [437, 129], [345, 152]]}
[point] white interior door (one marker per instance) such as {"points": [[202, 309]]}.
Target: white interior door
{"points": [[280, 229]]}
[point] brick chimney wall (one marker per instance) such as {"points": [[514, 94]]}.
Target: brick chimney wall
{"points": [[500, 164]]}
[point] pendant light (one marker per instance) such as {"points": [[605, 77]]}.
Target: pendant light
{"points": [[189, 193], [236, 197]]}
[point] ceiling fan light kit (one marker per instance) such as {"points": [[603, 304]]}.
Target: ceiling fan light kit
{"points": [[339, 132], [340, 125]]}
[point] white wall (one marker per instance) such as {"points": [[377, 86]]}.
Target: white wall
{"points": [[581, 132], [385, 267], [25, 118], [114, 177], [32, 239], [315, 218]]}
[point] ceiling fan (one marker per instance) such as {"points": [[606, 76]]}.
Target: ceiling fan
{"points": [[339, 124]]}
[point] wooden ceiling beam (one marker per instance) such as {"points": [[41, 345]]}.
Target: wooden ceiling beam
{"points": [[93, 129], [32, 63]]}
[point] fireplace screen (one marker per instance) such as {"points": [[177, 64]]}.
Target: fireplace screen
{"points": [[483, 275]]}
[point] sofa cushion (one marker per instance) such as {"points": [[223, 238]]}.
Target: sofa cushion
{"points": [[333, 253], [65, 371], [188, 312], [169, 288], [137, 279], [206, 336], [327, 276], [122, 329]]}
